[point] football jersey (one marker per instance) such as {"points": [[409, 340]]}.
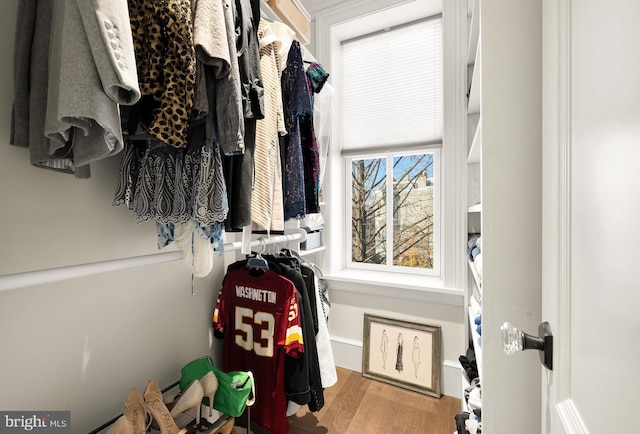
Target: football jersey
{"points": [[259, 318]]}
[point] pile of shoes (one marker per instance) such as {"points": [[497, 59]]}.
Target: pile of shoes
{"points": [[470, 422], [143, 411]]}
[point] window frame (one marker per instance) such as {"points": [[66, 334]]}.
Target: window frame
{"points": [[453, 266], [389, 267]]}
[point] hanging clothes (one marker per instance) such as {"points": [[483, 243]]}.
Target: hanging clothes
{"points": [[74, 65], [239, 169], [224, 92], [267, 209], [174, 187], [326, 362], [239, 176], [271, 302], [285, 37], [213, 61], [184, 190], [310, 366], [296, 103], [249, 58], [303, 383], [210, 37], [317, 78], [165, 56]]}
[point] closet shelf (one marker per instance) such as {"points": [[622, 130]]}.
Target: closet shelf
{"points": [[292, 13], [475, 208], [465, 384], [476, 277], [475, 310], [474, 93], [312, 251], [476, 145]]}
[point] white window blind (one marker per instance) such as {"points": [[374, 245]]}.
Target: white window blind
{"points": [[392, 87]]}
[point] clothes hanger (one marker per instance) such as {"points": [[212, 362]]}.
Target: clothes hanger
{"points": [[291, 254], [257, 262]]}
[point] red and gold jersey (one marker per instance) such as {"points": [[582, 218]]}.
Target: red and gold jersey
{"points": [[261, 323]]}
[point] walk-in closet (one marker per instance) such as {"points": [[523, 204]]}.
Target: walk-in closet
{"points": [[319, 216]]}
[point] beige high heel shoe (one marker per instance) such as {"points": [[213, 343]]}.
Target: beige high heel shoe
{"points": [[159, 411], [190, 398], [120, 426], [135, 412], [210, 385], [134, 417]]}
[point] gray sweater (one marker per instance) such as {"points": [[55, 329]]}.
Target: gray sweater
{"points": [[81, 63]]}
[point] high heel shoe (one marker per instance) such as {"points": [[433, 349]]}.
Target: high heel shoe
{"points": [[159, 411], [210, 385], [135, 412], [190, 398], [120, 426], [134, 417], [201, 369]]}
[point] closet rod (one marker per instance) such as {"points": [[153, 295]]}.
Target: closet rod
{"points": [[10, 282]]}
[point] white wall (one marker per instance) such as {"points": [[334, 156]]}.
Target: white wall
{"points": [[347, 321], [80, 344]]}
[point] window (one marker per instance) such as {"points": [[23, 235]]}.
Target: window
{"points": [[391, 102], [399, 233]]}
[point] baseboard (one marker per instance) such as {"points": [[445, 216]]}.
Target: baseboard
{"points": [[347, 354]]}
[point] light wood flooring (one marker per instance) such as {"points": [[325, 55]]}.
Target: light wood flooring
{"points": [[358, 405]]}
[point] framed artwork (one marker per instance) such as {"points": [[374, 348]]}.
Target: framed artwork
{"points": [[402, 353]]}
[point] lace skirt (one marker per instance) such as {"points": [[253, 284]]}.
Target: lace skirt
{"points": [[172, 186]]}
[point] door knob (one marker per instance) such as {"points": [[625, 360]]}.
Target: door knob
{"points": [[515, 340]]}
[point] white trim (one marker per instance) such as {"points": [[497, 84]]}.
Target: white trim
{"points": [[450, 379], [453, 218], [347, 353], [564, 204], [570, 417], [557, 144], [453, 206], [438, 216], [550, 203], [563, 344], [399, 288], [340, 13]]}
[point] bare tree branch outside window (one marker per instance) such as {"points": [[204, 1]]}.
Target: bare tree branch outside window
{"points": [[412, 202]]}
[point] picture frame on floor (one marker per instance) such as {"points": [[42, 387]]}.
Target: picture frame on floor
{"points": [[403, 353]]}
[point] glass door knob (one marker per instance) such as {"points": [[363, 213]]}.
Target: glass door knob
{"points": [[514, 340]]}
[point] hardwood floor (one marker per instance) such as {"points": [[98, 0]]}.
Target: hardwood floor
{"points": [[358, 405]]}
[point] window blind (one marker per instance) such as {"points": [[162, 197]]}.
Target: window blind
{"points": [[392, 87]]}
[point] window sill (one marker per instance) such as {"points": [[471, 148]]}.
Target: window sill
{"points": [[408, 287]]}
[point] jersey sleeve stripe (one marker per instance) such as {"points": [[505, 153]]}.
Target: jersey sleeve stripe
{"points": [[215, 315], [294, 334]]}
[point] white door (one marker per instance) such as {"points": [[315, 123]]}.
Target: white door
{"points": [[591, 214]]}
